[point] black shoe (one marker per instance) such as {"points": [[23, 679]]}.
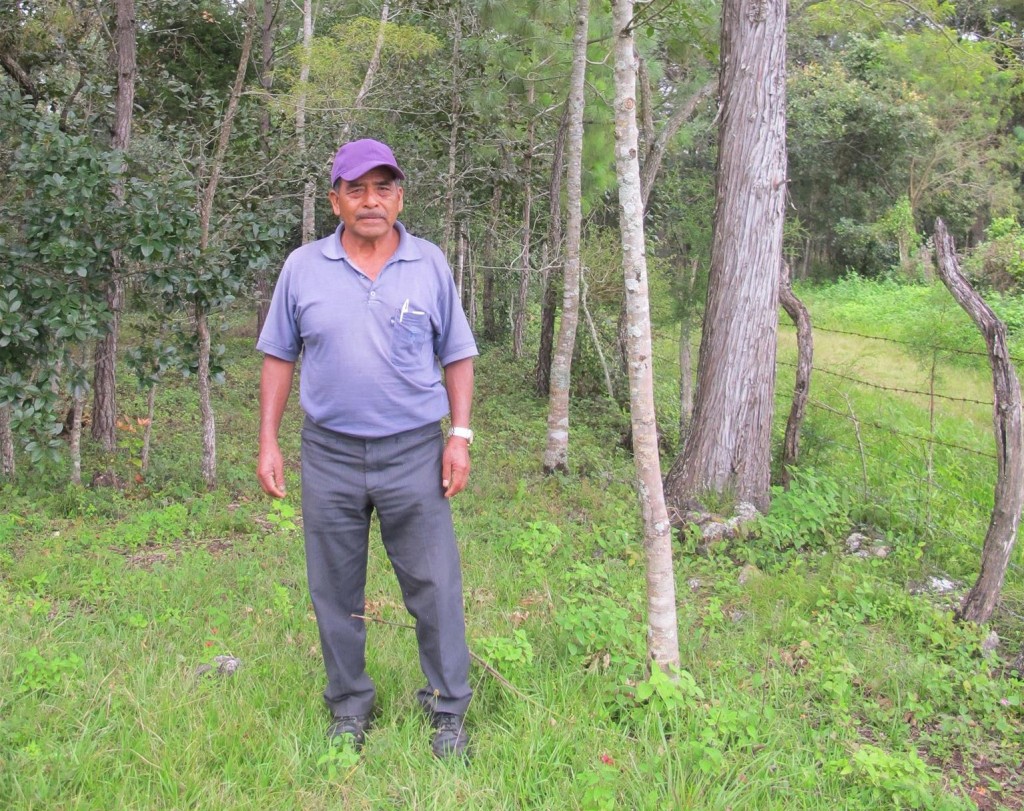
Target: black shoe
{"points": [[451, 738], [352, 726]]}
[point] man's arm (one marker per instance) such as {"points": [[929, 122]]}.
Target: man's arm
{"points": [[275, 385], [458, 380]]}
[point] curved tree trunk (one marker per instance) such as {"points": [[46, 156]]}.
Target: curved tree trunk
{"points": [[728, 450], [1001, 536], [104, 410], [556, 452], [796, 310], [662, 621]]}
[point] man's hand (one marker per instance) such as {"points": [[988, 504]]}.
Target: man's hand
{"points": [[455, 466], [270, 470]]}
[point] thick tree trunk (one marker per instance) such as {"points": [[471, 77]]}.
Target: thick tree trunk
{"points": [[550, 258], [556, 452], [796, 310], [104, 410], [7, 465], [728, 450], [1006, 417], [662, 633], [519, 318]]}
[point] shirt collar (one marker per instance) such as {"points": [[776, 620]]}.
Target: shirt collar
{"points": [[407, 250]]}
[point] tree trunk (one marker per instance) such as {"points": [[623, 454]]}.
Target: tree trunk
{"points": [[75, 443], [490, 257], [7, 465], [371, 70], [519, 319], [451, 180], [550, 257], [263, 282], [209, 466], [104, 410], [796, 310], [728, 450], [147, 434], [309, 189], [663, 624], [556, 453], [686, 355], [1006, 417]]}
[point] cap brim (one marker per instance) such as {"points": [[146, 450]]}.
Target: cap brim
{"points": [[363, 168]]}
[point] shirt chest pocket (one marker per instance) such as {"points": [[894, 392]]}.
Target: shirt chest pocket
{"points": [[410, 338]]}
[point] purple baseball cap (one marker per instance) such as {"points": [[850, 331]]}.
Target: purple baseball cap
{"points": [[356, 158]]}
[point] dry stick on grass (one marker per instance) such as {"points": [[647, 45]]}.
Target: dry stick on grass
{"points": [[501, 679]]}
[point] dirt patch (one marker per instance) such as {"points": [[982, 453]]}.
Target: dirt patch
{"points": [[990, 786]]}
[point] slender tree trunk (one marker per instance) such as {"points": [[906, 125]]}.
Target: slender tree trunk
{"points": [[728, 450], [519, 319], [371, 70], [263, 281], [550, 258], [104, 411], [309, 189], [796, 310], [147, 434], [1001, 536], [609, 388], [490, 258], [454, 131], [75, 443], [7, 465], [686, 354], [663, 624], [556, 453], [209, 427]]}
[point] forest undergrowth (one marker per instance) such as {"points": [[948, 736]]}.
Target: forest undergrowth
{"points": [[159, 649]]}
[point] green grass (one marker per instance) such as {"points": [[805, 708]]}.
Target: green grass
{"points": [[822, 683]]}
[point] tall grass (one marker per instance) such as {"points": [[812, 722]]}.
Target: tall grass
{"points": [[814, 681]]}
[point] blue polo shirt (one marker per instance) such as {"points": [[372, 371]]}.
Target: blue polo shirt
{"points": [[372, 351]]}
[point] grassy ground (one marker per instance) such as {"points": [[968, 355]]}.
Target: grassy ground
{"points": [[812, 678]]}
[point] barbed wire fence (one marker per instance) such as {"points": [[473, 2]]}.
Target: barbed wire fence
{"points": [[918, 461]]}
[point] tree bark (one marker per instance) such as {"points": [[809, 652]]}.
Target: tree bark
{"points": [[371, 70], [268, 32], [549, 259], [104, 410], [663, 624], [209, 426], [519, 318], [490, 257], [451, 179], [556, 453], [1001, 536], [309, 189], [75, 442], [7, 464], [686, 355], [728, 451], [796, 310]]}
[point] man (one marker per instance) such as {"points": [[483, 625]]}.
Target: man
{"points": [[373, 310]]}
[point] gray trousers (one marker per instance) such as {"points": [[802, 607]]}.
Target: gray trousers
{"points": [[344, 479]]}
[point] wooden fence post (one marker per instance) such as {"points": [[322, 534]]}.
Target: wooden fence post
{"points": [[980, 601]]}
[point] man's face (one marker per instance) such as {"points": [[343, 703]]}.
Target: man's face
{"points": [[368, 205]]}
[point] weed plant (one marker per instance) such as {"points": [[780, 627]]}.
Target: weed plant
{"points": [[817, 680]]}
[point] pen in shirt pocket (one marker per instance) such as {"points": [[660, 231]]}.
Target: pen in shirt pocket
{"points": [[405, 309]]}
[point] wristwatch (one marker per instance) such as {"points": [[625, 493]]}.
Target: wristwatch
{"points": [[464, 433]]}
